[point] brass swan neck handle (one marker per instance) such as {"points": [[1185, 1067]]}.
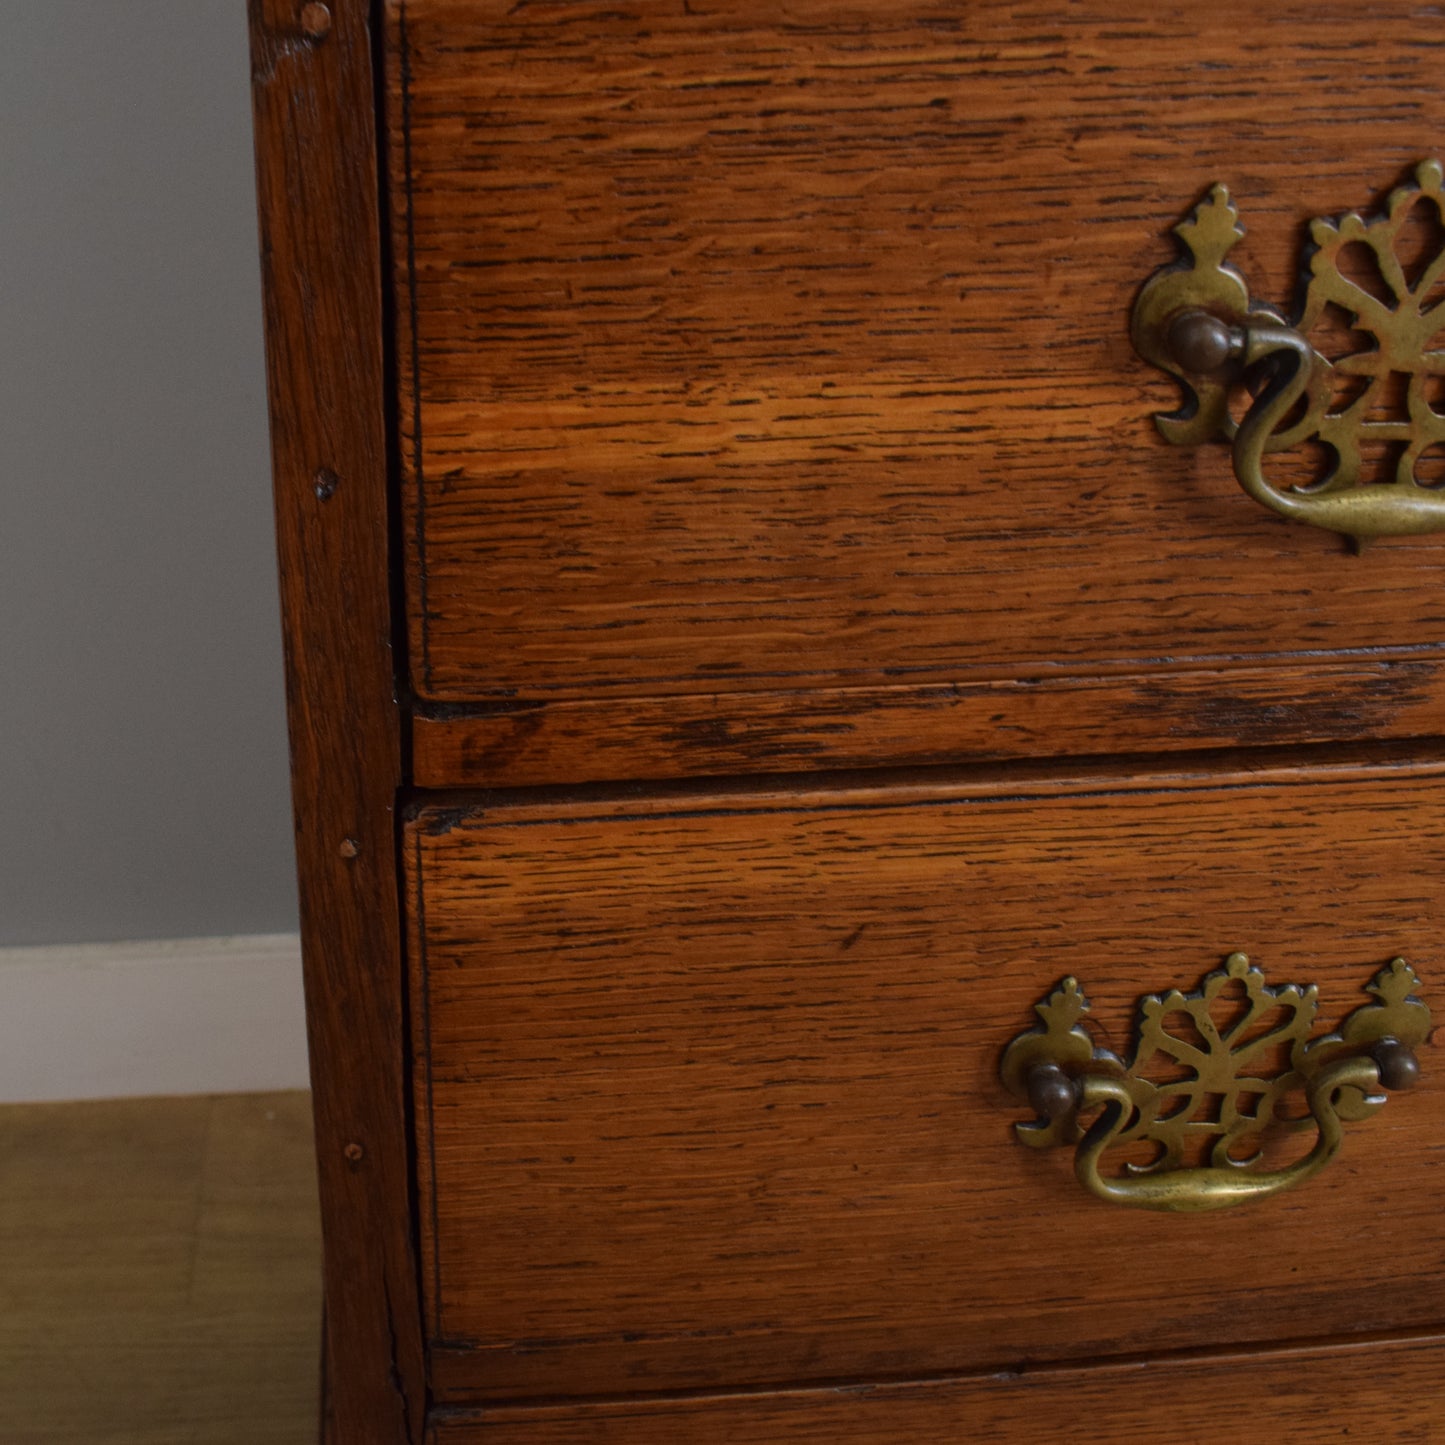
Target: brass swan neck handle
{"points": [[1063, 1076], [1209, 1187], [1288, 361], [1195, 320]]}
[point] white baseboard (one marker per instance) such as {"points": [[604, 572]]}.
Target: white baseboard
{"points": [[176, 1016]]}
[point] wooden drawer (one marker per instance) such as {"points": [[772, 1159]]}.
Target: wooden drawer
{"points": [[768, 398], [707, 1089]]}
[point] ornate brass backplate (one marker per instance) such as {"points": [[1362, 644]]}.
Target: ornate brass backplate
{"points": [[1195, 319], [1235, 1055]]}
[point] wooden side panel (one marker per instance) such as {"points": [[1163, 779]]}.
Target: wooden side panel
{"points": [[1290, 1397], [710, 1098], [320, 237], [776, 347]]}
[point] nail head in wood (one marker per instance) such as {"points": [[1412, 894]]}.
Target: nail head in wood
{"points": [[316, 21]]}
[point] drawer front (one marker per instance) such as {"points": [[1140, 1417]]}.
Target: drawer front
{"points": [[1297, 1397], [708, 1090], [752, 351]]}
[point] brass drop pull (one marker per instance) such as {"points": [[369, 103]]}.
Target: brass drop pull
{"points": [[1195, 320], [1217, 1097]]}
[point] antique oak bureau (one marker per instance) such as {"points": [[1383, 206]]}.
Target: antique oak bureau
{"points": [[856, 885]]}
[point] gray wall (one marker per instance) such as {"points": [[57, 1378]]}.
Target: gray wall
{"points": [[142, 746]]}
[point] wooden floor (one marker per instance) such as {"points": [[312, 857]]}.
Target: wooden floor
{"points": [[159, 1272]]}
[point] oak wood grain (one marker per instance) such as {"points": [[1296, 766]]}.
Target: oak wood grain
{"points": [[1345, 700], [708, 1097], [1384, 1391], [316, 165], [747, 347]]}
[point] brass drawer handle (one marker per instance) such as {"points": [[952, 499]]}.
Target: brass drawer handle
{"points": [[1220, 1043], [1195, 320]]}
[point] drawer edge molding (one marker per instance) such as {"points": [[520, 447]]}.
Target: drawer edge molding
{"points": [[1292, 703], [1314, 1392]]}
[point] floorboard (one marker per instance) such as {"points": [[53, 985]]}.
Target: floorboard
{"points": [[159, 1272]]}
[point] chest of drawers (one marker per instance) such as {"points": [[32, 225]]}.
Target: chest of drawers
{"points": [[748, 643]]}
